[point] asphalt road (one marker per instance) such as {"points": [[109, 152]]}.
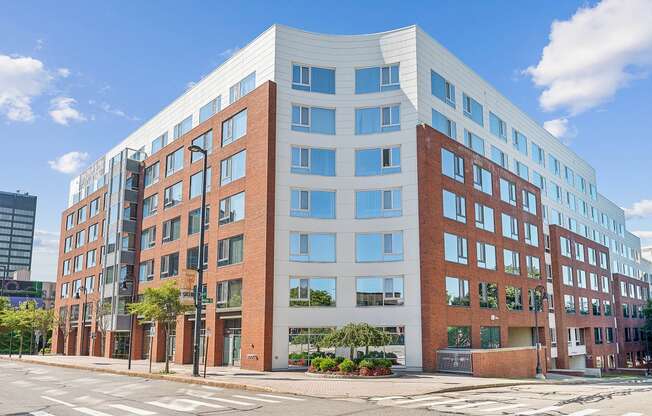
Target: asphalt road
{"points": [[28, 389]]}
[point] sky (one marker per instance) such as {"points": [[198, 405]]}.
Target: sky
{"points": [[76, 77]]}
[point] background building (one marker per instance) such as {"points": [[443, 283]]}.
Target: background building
{"points": [[317, 210], [17, 214]]}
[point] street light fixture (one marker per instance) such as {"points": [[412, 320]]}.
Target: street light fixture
{"points": [[200, 266], [124, 286], [83, 324], [544, 296]]}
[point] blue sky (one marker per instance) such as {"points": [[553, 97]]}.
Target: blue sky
{"points": [[80, 76]]}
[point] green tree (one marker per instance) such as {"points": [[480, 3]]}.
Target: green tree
{"points": [[25, 322], [44, 322], [355, 335], [10, 322], [161, 305]]}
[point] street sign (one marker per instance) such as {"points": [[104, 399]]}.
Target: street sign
{"points": [[207, 300]]}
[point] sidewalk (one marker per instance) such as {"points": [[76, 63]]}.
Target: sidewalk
{"points": [[282, 381]]}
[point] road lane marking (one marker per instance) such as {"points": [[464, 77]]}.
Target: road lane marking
{"points": [[538, 411], [212, 388], [134, 410], [498, 409], [466, 406], [239, 403], [420, 399], [273, 396], [58, 401], [41, 413], [23, 383], [429, 404], [258, 399], [377, 399], [86, 380], [583, 412], [44, 378], [91, 412], [633, 414], [185, 405]]}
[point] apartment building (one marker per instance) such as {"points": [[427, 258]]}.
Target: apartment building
{"points": [[631, 297], [327, 165], [17, 214]]}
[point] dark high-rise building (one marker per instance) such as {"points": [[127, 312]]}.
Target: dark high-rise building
{"points": [[17, 214]]}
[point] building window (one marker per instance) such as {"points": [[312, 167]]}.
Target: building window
{"points": [[454, 206], [313, 291], [79, 238], [70, 221], [595, 307], [312, 247], [442, 89], [210, 108], [194, 220], [499, 157], [579, 252], [229, 294], [457, 292], [443, 124], [377, 79], [512, 262], [508, 191], [94, 207], [452, 165], [150, 205], [473, 109], [489, 337], [183, 127], [609, 335], [192, 258], [455, 249], [233, 168], [379, 203], [146, 271], [67, 244], [313, 79], [174, 162], [172, 230], [519, 141], [379, 291], [196, 182], [169, 265], [565, 246], [514, 298], [484, 217], [205, 141], [91, 259], [242, 88], [379, 247], [379, 161], [173, 195], [529, 202], [377, 119], [312, 204], [234, 128], [497, 126], [486, 254], [482, 179], [230, 250], [81, 214], [569, 303], [313, 161], [584, 305], [459, 337], [152, 174], [567, 275], [159, 143], [232, 208], [488, 295], [533, 267], [148, 238], [531, 234], [313, 119], [581, 279], [474, 142]]}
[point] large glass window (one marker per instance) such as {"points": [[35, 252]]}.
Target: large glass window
{"points": [[379, 203], [512, 262], [507, 191], [183, 127], [159, 143], [230, 250], [205, 141], [377, 79], [196, 182], [378, 161], [457, 292], [484, 217], [486, 254], [150, 205], [232, 208], [313, 79], [229, 294], [459, 337], [514, 298], [489, 337], [454, 206], [174, 162], [452, 165], [233, 168], [510, 226], [173, 195], [194, 218], [519, 141], [313, 204], [488, 295], [455, 249], [313, 119], [312, 247], [242, 88], [531, 234], [172, 230], [379, 247], [499, 157], [234, 128], [482, 179], [529, 202], [497, 126], [146, 271], [533, 265], [569, 303], [377, 119], [442, 89], [443, 124], [192, 258], [148, 238], [304, 343], [152, 174], [313, 161], [210, 108], [473, 109], [312, 291], [169, 265], [379, 291]]}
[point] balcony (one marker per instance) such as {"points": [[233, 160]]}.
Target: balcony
{"points": [[576, 349]]}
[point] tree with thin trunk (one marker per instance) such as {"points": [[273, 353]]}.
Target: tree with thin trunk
{"points": [[62, 324], [44, 321], [161, 305], [102, 310], [25, 320], [356, 335]]}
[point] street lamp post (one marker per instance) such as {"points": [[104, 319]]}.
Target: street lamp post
{"points": [[131, 280], [200, 266], [83, 324], [544, 296]]}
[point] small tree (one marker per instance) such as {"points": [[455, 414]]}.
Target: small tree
{"points": [[354, 335], [9, 323], [25, 322], [102, 310], [44, 321], [161, 305], [62, 323]]}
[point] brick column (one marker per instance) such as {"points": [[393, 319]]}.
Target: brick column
{"points": [[158, 344], [137, 342], [215, 344]]}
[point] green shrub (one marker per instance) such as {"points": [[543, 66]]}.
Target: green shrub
{"points": [[347, 366], [383, 363], [316, 362], [339, 360], [327, 364], [366, 364]]}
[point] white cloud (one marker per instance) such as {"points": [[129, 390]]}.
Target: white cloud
{"points": [[46, 252], [71, 162], [643, 235], [63, 72], [560, 128], [595, 53], [46, 241], [190, 85], [62, 111], [40, 43], [21, 79], [115, 111], [640, 209]]}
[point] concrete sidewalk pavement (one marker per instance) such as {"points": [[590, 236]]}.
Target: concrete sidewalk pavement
{"points": [[282, 381]]}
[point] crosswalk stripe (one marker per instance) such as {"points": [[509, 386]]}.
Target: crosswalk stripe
{"points": [[378, 399], [212, 388], [538, 411], [58, 401], [414, 406], [229, 401], [91, 412], [178, 405], [272, 396], [41, 413], [257, 399], [420, 399], [583, 412], [633, 414], [498, 409], [134, 410], [466, 406]]}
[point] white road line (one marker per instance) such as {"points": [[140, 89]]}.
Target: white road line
{"points": [[583, 412], [539, 411], [55, 392], [212, 388], [86, 380], [23, 383], [134, 410], [229, 401], [184, 405], [633, 414], [498, 409], [272, 396], [429, 404], [257, 399], [44, 378], [420, 399], [91, 412], [41, 413], [378, 399], [466, 406], [58, 401]]}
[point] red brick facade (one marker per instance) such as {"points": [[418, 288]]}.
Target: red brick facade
{"points": [[631, 340]]}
